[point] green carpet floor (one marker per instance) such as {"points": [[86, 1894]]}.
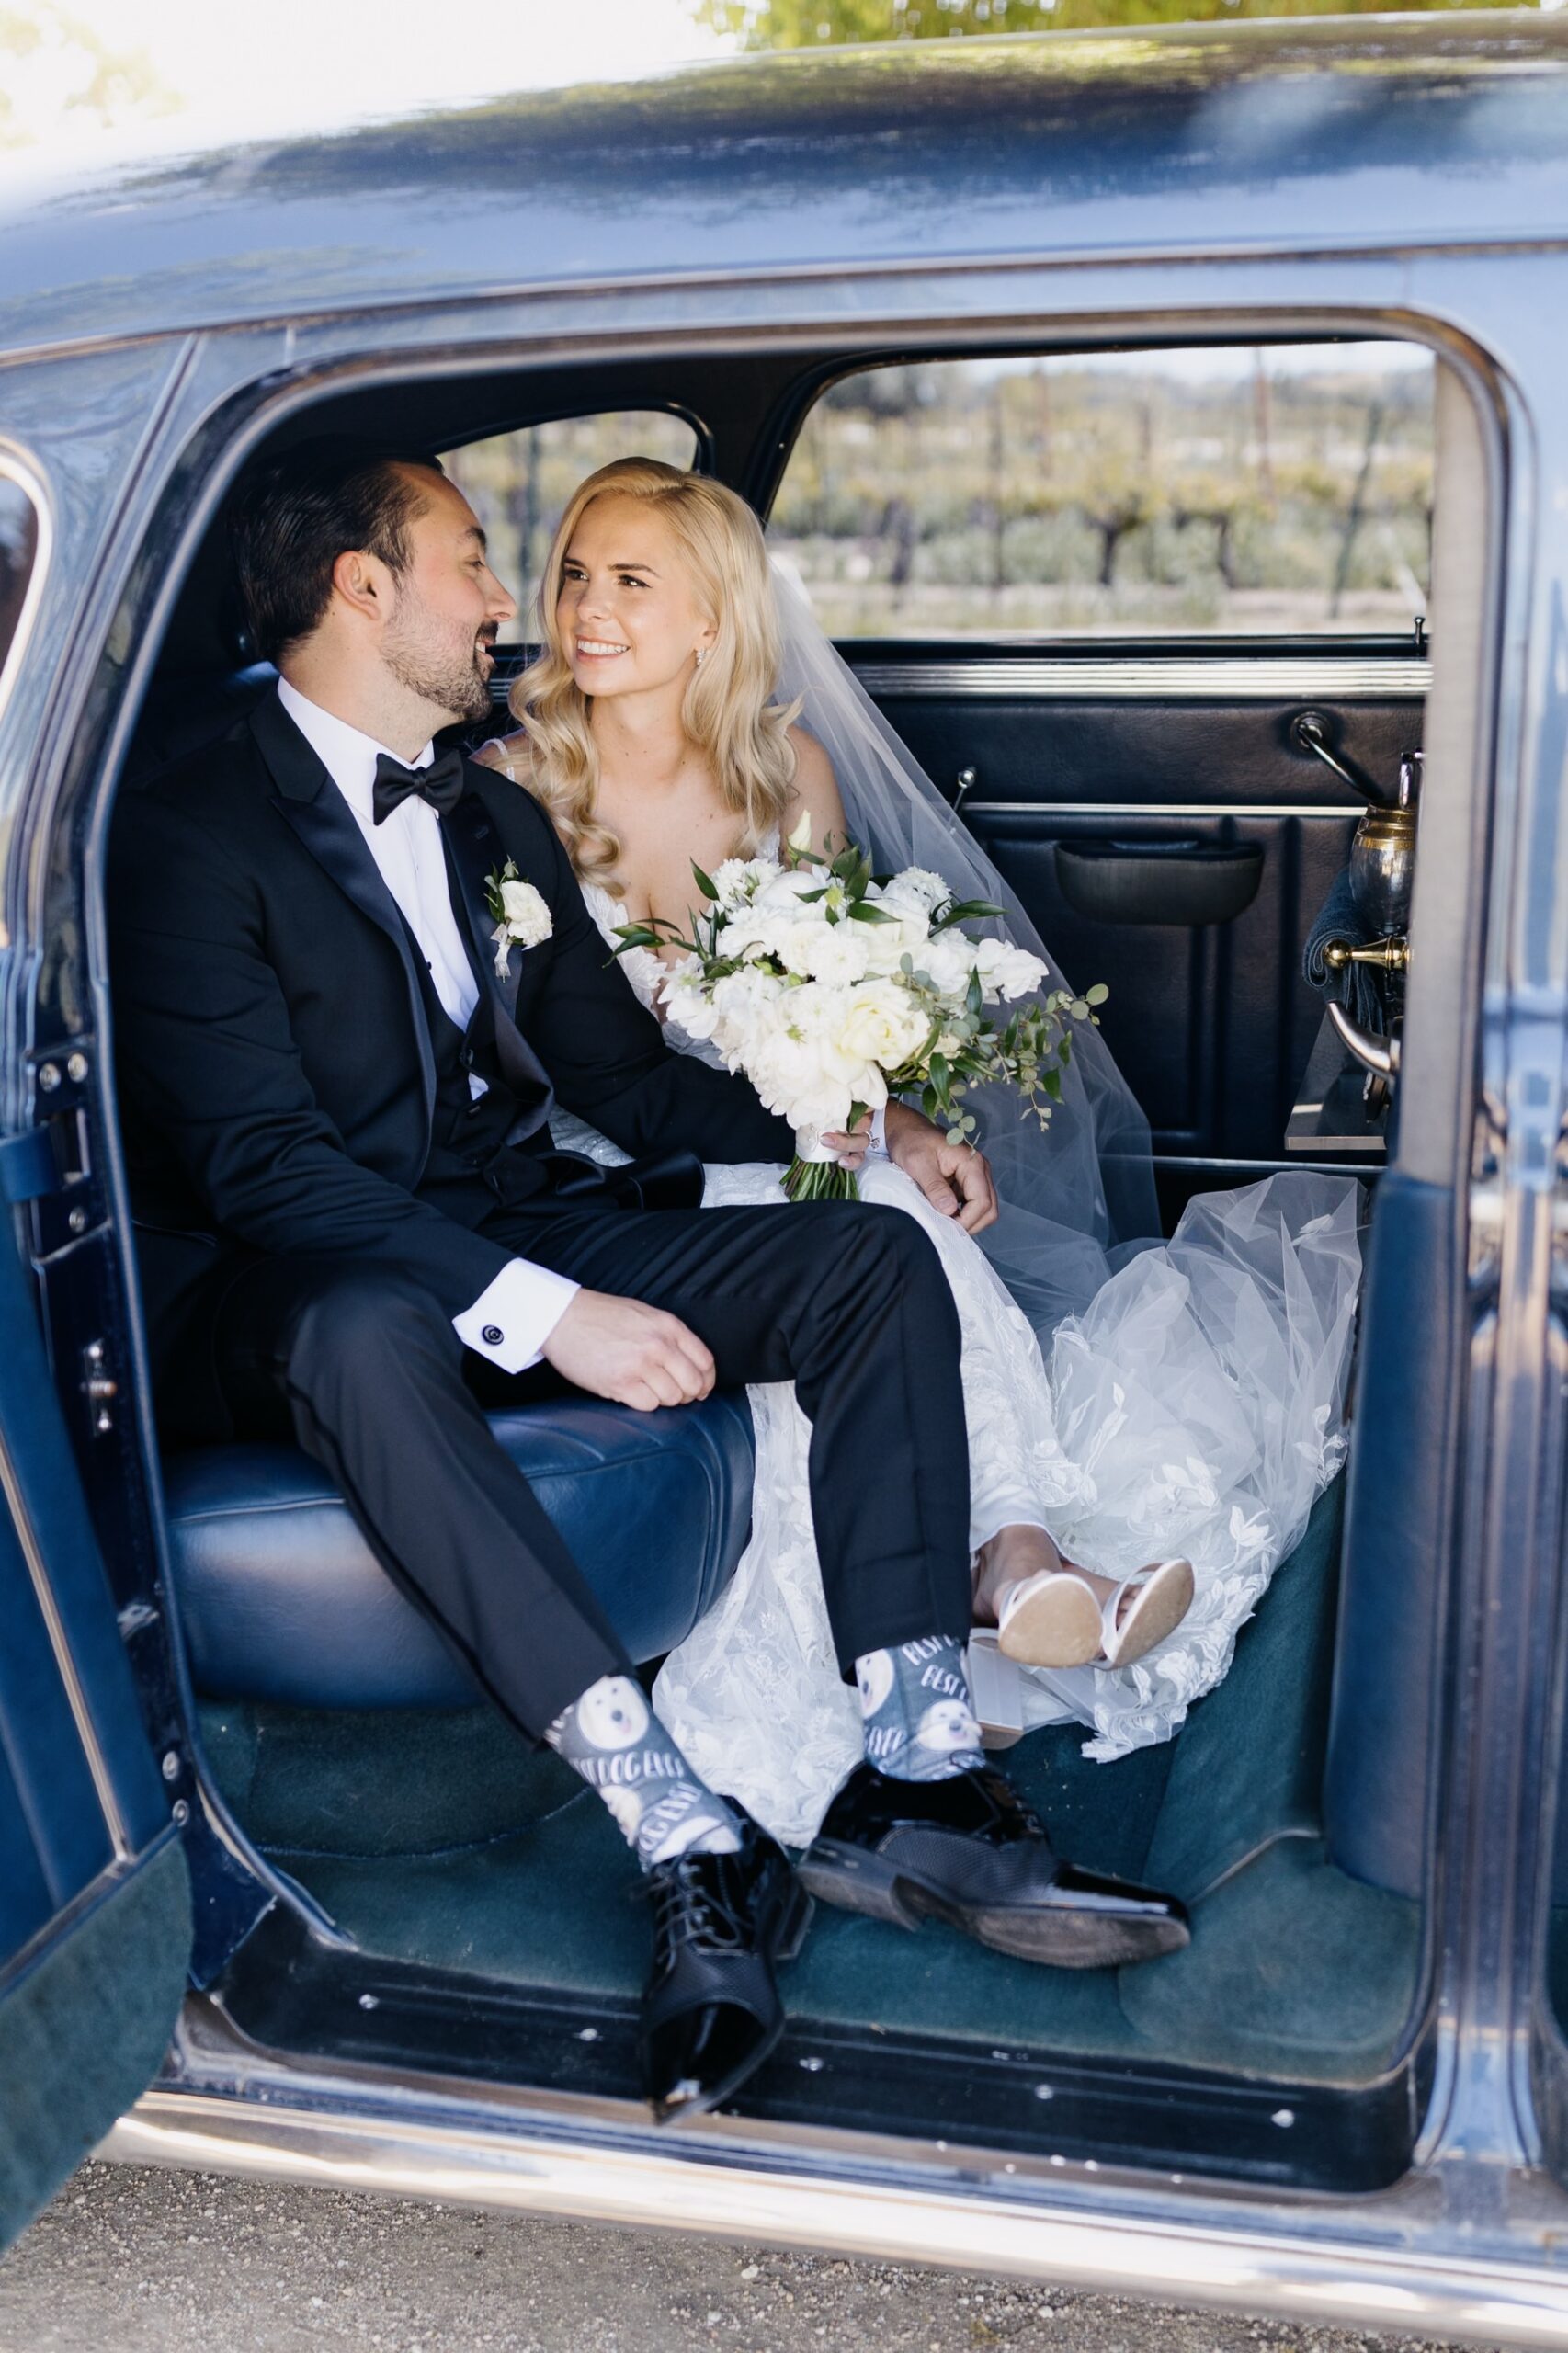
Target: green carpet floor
{"points": [[442, 1838]]}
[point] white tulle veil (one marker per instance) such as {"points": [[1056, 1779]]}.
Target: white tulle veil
{"points": [[1075, 1194]]}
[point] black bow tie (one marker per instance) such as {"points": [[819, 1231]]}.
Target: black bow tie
{"points": [[441, 784]]}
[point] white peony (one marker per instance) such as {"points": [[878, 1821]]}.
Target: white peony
{"points": [[836, 952], [916, 886], [686, 1000], [949, 959], [1005, 971], [739, 879]]}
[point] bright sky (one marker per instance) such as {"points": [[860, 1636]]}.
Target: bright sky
{"points": [[236, 71]]}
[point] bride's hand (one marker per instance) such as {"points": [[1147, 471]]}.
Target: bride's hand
{"points": [[850, 1145], [954, 1177]]}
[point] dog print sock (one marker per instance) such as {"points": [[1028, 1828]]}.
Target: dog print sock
{"points": [[919, 1719], [611, 1736]]}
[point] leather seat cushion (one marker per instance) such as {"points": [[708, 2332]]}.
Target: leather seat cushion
{"points": [[282, 1600]]}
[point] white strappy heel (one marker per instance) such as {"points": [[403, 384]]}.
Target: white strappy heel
{"points": [[1054, 1619]]}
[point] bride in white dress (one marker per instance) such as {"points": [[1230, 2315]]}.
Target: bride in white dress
{"points": [[1127, 1403]]}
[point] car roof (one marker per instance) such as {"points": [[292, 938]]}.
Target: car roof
{"points": [[1287, 135]]}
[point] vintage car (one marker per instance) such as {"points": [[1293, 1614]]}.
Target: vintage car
{"points": [[278, 1892]]}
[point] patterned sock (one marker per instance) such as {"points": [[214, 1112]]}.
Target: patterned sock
{"points": [[613, 1738], [919, 1719]]}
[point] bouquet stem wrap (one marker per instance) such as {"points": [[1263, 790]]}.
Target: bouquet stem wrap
{"points": [[814, 1173]]}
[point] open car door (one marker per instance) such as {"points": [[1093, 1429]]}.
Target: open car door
{"points": [[94, 1896]]}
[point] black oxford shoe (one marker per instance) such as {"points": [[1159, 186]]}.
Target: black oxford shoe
{"points": [[711, 2009], [969, 1851]]}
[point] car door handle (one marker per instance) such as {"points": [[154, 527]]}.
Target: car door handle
{"points": [[1179, 882]]}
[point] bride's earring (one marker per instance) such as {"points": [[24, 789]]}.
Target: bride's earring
{"points": [[701, 656]]}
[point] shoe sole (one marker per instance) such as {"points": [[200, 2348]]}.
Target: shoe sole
{"points": [[1064, 1938], [784, 1946], [1060, 1626], [1155, 1614]]}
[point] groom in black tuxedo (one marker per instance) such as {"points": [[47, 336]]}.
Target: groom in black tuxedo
{"points": [[352, 1219]]}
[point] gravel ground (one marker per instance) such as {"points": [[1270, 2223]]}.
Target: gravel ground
{"points": [[155, 2262]]}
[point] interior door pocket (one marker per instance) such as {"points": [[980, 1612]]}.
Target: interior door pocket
{"points": [[1181, 883]]}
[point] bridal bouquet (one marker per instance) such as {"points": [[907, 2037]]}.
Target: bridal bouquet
{"points": [[832, 989]]}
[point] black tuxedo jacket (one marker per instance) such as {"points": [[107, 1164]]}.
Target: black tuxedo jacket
{"points": [[275, 1075]]}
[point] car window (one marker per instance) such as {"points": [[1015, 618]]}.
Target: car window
{"points": [[18, 556], [1243, 491], [518, 484]]}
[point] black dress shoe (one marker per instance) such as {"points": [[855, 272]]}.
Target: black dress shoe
{"points": [[710, 2009], [968, 1850]]}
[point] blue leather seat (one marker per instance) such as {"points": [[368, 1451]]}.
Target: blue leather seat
{"points": [[282, 1600]]}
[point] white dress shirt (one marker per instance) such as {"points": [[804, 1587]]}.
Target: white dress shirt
{"points": [[513, 1317]]}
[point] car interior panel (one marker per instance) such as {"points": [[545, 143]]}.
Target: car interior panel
{"points": [[1177, 839]]}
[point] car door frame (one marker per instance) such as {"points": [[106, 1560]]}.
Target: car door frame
{"points": [[1396, 2254]]}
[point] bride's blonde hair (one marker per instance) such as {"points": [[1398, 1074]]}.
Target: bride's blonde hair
{"points": [[727, 713]]}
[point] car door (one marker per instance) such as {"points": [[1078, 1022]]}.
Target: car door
{"points": [[95, 1898]]}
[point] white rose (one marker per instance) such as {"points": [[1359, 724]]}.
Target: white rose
{"points": [[524, 913], [783, 889], [882, 1025]]}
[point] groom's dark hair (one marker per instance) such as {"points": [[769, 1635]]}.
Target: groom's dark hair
{"points": [[298, 513]]}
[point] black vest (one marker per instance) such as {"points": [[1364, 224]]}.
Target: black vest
{"points": [[467, 1132], [471, 1167]]}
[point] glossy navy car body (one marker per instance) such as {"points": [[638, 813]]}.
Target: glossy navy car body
{"points": [[769, 224]]}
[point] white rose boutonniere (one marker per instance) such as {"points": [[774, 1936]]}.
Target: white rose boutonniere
{"points": [[521, 915]]}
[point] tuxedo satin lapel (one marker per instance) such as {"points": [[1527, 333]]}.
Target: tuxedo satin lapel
{"points": [[311, 804], [472, 846]]}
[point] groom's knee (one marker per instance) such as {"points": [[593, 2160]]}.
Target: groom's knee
{"points": [[901, 1261], [368, 1331]]}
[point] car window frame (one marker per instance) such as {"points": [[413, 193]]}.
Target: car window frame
{"points": [[775, 448], [15, 467]]}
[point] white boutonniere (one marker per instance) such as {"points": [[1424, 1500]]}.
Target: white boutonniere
{"points": [[521, 915]]}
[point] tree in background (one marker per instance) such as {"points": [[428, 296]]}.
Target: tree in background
{"points": [[820, 24], [78, 71]]}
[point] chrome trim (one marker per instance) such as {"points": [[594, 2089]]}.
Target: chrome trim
{"points": [[1226, 678], [15, 467], [964, 2209], [59, 1643], [1149, 810], [1380, 1055]]}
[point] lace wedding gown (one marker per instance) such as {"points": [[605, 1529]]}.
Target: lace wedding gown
{"points": [[1195, 1408]]}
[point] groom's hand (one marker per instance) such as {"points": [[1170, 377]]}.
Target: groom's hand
{"points": [[954, 1177], [636, 1355]]}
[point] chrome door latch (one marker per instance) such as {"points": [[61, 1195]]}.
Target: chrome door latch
{"points": [[99, 1388]]}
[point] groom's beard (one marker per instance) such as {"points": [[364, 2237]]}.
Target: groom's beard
{"points": [[452, 677]]}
